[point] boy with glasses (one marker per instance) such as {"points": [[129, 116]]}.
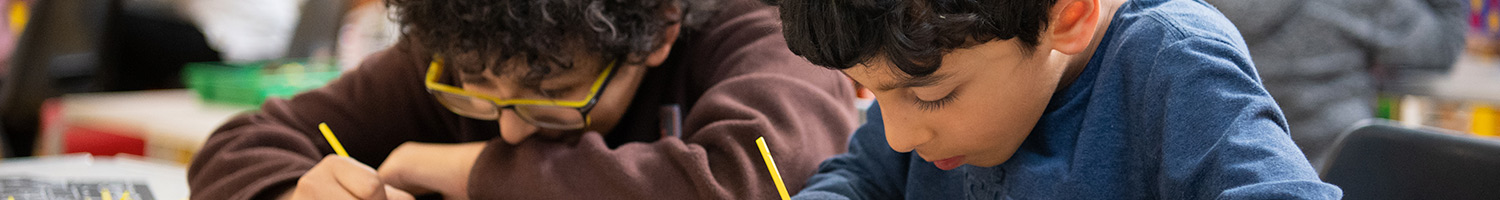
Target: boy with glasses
{"points": [[547, 99]]}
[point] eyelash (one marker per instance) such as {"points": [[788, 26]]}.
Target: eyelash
{"points": [[553, 93], [935, 104]]}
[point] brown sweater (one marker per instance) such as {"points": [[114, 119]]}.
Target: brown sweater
{"points": [[733, 77]]}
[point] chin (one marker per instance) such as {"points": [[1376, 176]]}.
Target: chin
{"points": [[986, 164], [990, 161]]}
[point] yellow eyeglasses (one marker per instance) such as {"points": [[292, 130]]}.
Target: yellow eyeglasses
{"points": [[544, 113]]}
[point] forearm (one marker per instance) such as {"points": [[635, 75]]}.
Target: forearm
{"points": [[245, 162]]}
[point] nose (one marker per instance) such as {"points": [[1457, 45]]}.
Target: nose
{"points": [[514, 129], [900, 132]]}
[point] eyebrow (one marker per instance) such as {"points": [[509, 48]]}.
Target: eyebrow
{"points": [[566, 80], [909, 82]]}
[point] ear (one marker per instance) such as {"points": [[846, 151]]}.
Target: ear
{"points": [[1073, 25], [668, 36]]}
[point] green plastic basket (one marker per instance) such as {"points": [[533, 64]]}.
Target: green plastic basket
{"points": [[251, 83]]}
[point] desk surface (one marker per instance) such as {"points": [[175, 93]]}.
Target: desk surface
{"points": [[166, 181]]}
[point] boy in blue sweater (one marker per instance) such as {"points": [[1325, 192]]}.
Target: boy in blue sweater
{"points": [[1049, 99]]}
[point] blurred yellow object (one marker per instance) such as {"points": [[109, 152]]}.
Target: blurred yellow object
{"points": [[1484, 121], [19, 14], [1476, 8], [1494, 22]]}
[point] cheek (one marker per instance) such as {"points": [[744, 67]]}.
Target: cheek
{"points": [[992, 131], [613, 103], [1006, 111], [982, 120], [607, 113]]}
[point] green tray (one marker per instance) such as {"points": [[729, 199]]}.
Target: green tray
{"points": [[251, 83]]}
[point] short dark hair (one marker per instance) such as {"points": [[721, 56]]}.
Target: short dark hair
{"points": [[912, 34], [476, 35]]}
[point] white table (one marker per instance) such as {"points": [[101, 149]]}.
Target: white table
{"points": [[166, 181]]}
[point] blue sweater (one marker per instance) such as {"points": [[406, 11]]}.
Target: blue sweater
{"points": [[1169, 107]]}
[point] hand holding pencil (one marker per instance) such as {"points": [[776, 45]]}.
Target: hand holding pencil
{"points": [[341, 177]]}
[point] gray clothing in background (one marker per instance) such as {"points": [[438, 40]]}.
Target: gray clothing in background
{"points": [[1323, 60]]}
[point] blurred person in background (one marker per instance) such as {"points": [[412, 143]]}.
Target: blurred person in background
{"points": [[1324, 60], [245, 30]]}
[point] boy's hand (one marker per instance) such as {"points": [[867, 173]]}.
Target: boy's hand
{"points": [[428, 167], [343, 178]]}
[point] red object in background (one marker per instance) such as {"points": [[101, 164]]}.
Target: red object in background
{"points": [[100, 143], [80, 139]]}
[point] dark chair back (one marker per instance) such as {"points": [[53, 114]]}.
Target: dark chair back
{"points": [[1381, 160]]}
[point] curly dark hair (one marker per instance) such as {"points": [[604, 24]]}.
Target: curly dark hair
{"points": [[475, 35], [912, 34]]}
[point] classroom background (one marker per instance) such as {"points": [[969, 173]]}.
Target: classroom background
{"points": [[1389, 99]]}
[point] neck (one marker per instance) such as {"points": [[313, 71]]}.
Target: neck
{"points": [[1078, 62]]}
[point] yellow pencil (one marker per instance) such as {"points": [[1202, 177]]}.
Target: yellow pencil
{"points": [[770, 164], [332, 141]]}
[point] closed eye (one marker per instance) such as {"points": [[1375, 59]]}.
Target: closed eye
{"points": [[553, 93], [934, 105]]}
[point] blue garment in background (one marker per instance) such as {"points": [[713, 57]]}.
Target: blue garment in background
{"points": [[1168, 107]]}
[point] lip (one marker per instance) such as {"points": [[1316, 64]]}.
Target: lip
{"points": [[949, 163]]}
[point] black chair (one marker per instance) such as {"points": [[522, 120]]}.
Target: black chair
{"points": [[1382, 160], [58, 53]]}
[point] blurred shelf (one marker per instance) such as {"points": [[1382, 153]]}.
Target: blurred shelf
{"points": [[1472, 78], [160, 124]]}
